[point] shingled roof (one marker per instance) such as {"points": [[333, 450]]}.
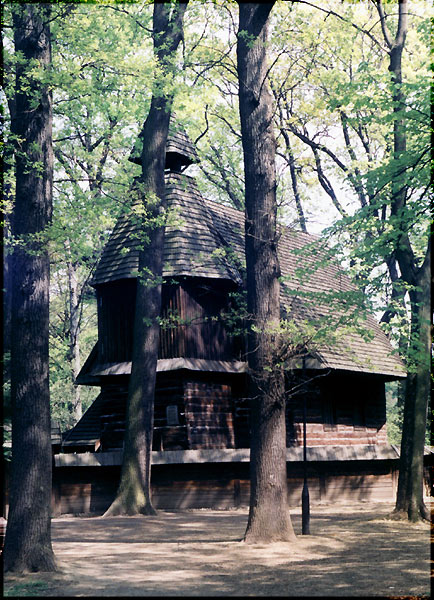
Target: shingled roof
{"points": [[202, 240], [179, 148], [352, 352], [193, 242]]}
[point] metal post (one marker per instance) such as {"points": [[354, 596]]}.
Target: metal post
{"points": [[305, 509]]}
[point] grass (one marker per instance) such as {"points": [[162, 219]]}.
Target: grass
{"points": [[25, 588]]}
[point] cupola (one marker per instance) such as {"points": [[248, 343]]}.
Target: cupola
{"points": [[180, 152]]}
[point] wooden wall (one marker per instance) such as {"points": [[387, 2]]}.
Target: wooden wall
{"points": [[170, 428], [209, 415], [210, 410], [116, 303], [196, 310], [223, 485], [342, 408], [193, 326], [112, 419], [191, 411]]}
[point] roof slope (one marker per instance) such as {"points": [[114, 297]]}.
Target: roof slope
{"points": [[192, 242], [202, 239], [353, 352], [87, 431]]}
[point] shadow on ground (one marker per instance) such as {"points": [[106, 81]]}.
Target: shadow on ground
{"points": [[351, 552]]}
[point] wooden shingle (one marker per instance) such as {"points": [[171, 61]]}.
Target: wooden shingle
{"points": [[203, 238], [179, 148]]}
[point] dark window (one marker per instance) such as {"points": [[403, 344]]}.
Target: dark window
{"points": [[329, 413], [359, 418]]}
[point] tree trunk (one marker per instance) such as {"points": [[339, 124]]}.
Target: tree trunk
{"points": [[134, 493], [28, 535], [409, 498], [7, 271], [269, 518], [74, 331]]}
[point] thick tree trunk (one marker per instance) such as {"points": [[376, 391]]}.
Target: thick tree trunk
{"points": [[134, 493], [7, 271], [28, 535], [409, 500], [269, 518]]}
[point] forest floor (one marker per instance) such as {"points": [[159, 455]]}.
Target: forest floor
{"points": [[352, 551]]}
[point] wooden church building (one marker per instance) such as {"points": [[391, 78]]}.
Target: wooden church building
{"points": [[201, 427]]}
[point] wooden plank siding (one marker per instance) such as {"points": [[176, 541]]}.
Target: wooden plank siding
{"points": [[211, 410], [169, 392], [191, 316], [209, 414], [342, 408], [203, 409], [112, 418], [116, 303], [221, 486]]}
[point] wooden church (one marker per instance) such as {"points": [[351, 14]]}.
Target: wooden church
{"points": [[201, 427]]}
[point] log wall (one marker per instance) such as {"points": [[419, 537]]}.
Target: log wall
{"points": [[191, 411], [209, 415], [89, 490], [196, 410], [170, 428], [342, 408]]}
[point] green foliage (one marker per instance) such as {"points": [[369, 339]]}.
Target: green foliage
{"points": [[337, 92], [61, 377], [101, 64], [208, 99], [394, 413]]}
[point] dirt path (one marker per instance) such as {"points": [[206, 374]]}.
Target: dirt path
{"points": [[351, 552]]}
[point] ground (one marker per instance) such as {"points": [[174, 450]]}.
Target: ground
{"points": [[352, 551]]}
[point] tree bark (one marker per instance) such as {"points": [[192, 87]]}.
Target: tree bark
{"points": [[409, 498], [134, 493], [28, 535], [269, 518], [7, 231], [74, 331]]}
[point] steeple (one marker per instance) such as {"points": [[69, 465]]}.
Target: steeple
{"points": [[180, 152]]}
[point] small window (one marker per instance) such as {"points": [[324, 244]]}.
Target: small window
{"points": [[172, 415]]}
